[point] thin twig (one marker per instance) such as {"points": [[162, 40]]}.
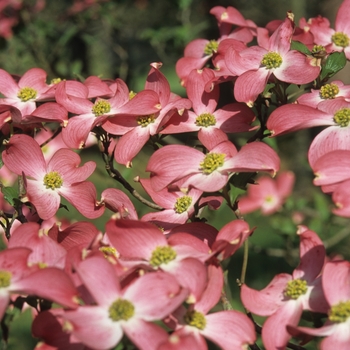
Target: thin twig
{"points": [[225, 290], [57, 132], [116, 175]]}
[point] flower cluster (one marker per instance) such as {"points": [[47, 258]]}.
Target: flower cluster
{"points": [[157, 279]]}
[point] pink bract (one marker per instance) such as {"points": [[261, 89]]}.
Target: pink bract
{"points": [[333, 39], [212, 124], [228, 329], [142, 244], [336, 330], [267, 194], [23, 95], [255, 65], [331, 113], [138, 128], [211, 171], [98, 326], [280, 303]]}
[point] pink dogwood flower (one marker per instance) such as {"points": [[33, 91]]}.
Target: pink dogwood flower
{"points": [[45, 251], [23, 95], [46, 182], [199, 51], [336, 330], [267, 194], [337, 39], [179, 206], [75, 97], [116, 311], [286, 296], [228, 329], [255, 65], [212, 124], [208, 171], [18, 278], [335, 89], [144, 245], [334, 113], [137, 129]]}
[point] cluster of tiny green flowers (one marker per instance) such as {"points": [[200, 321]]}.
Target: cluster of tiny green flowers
{"points": [[272, 60], [101, 107], [340, 312], [121, 310], [295, 288], [211, 162], [342, 117], [5, 279], [53, 180], [195, 319], [144, 121], [340, 39], [205, 120], [162, 255], [182, 204], [211, 47], [329, 91], [26, 94]]}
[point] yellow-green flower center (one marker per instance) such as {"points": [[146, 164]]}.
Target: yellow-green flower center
{"points": [[295, 288], [121, 310], [144, 121], [195, 319], [55, 80], [53, 180], [211, 47], [340, 312], [26, 94], [5, 279], [271, 60], [162, 255], [132, 94], [329, 91], [340, 39], [318, 48], [205, 120], [108, 251], [342, 117], [319, 51], [182, 204], [211, 162], [269, 199], [42, 265], [101, 107]]}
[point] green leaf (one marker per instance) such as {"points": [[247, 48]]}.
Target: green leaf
{"points": [[235, 192], [241, 180], [335, 62], [297, 45], [10, 194]]}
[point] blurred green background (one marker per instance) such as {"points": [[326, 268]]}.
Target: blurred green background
{"points": [[120, 39]]}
